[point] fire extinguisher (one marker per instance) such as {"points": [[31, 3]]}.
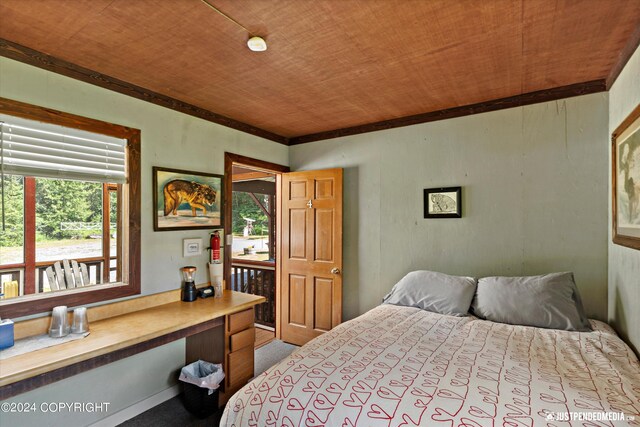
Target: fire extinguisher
{"points": [[215, 247]]}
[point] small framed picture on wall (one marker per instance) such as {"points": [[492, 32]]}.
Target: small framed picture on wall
{"points": [[443, 202]]}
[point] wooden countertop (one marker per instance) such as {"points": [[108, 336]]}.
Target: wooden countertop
{"points": [[115, 333]]}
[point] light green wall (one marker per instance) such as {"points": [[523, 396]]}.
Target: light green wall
{"points": [[169, 139], [534, 188], [624, 263], [121, 384]]}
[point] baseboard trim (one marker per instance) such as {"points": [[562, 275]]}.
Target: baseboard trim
{"points": [[138, 408]]}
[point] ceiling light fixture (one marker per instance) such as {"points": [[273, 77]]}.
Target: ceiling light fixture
{"points": [[255, 43]]}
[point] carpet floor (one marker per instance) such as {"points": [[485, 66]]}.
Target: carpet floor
{"points": [[172, 412], [270, 354]]}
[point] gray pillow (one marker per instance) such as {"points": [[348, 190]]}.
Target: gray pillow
{"points": [[436, 292], [549, 301]]}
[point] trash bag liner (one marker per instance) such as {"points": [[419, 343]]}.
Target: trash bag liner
{"points": [[203, 374]]}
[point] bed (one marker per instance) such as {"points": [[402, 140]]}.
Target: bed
{"points": [[403, 366]]}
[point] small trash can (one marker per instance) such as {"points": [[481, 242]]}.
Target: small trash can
{"points": [[201, 381]]}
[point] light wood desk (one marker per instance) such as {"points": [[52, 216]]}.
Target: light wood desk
{"points": [[218, 330]]}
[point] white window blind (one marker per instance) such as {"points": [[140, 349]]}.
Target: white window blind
{"points": [[32, 148]]}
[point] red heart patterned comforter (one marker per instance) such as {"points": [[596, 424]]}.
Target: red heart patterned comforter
{"points": [[400, 366]]}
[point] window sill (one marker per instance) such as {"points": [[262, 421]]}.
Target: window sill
{"points": [[44, 302]]}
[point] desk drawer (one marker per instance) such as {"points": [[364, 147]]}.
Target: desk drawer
{"points": [[241, 320], [242, 339], [240, 366]]}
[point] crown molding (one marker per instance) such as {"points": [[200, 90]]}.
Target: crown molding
{"points": [[466, 110], [38, 59], [41, 60]]}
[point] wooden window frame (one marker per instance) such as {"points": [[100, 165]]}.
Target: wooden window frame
{"points": [[26, 305]]}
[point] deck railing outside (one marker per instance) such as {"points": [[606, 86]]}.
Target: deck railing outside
{"points": [[94, 265], [258, 278]]}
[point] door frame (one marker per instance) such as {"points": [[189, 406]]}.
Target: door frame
{"points": [[231, 159]]}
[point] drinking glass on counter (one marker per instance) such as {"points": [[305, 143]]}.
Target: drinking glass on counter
{"points": [[59, 322], [80, 321], [217, 289]]}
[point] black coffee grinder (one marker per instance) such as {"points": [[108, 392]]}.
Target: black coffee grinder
{"points": [[189, 292]]}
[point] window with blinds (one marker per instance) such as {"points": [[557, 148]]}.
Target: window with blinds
{"points": [[69, 209], [59, 192], [32, 148]]}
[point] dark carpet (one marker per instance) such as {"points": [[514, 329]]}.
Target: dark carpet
{"points": [[172, 413]]}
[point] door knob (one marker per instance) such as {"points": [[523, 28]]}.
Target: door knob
{"points": [[335, 270]]}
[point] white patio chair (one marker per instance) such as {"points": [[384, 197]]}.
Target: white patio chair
{"points": [[67, 274]]}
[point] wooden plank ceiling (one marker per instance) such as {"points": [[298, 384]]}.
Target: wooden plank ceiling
{"points": [[332, 64]]}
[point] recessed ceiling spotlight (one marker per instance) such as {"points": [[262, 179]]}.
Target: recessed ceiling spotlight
{"points": [[257, 44]]}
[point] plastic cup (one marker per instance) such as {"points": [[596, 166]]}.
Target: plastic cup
{"points": [[59, 322], [217, 290], [80, 321]]}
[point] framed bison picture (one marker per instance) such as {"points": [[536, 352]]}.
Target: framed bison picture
{"points": [[186, 200], [443, 202]]}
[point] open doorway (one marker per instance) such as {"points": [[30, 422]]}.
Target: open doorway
{"points": [[250, 221], [253, 213]]}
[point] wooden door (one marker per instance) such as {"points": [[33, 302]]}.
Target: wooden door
{"points": [[311, 254]]}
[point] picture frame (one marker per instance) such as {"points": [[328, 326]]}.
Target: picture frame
{"points": [[625, 182], [186, 200], [443, 202]]}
